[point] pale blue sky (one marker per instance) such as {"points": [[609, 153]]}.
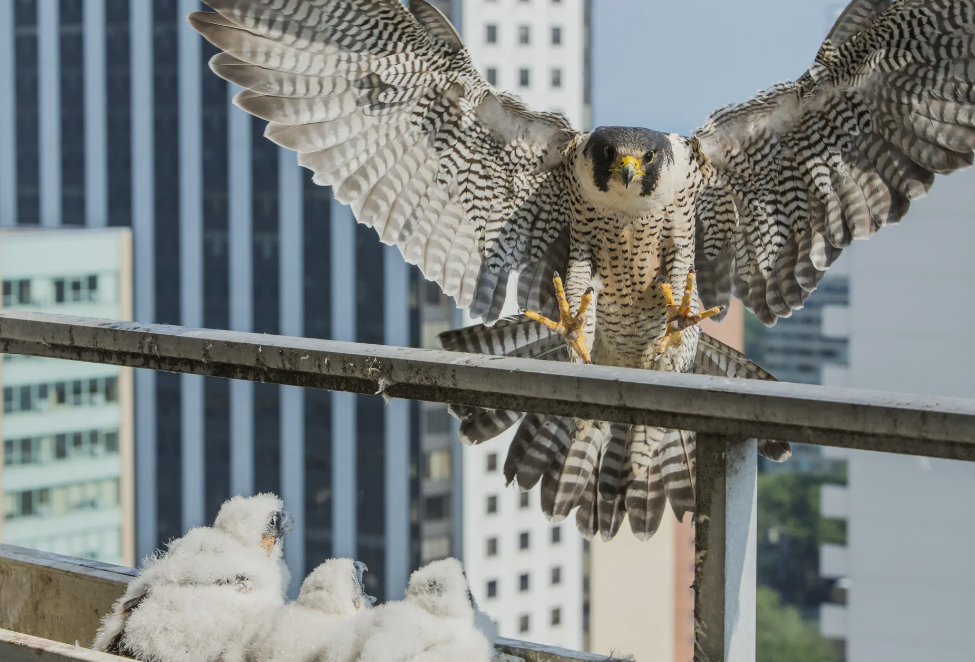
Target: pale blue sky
{"points": [[666, 64]]}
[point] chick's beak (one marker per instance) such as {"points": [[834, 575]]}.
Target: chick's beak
{"points": [[285, 523], [629, 169]]}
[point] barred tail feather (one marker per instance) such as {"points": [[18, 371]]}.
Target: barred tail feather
{"points": [[577, 470], [530, 425], [677, 470], [587, 521], [645, 498], [551, 440]]}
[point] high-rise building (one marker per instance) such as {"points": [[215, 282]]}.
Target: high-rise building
{"points": [[109, 116], [905, 587], [67, 426], [527, 573]]}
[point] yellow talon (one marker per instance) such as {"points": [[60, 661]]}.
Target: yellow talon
{"points": [[569, 326], [681, 317]]}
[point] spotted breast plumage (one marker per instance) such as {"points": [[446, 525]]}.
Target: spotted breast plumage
{"points": [[383, 103]]}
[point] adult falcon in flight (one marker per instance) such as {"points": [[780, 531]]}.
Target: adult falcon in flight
{"points": [[383, 103]]}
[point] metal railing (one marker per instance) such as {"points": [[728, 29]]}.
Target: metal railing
{"points": [[728, 413]]}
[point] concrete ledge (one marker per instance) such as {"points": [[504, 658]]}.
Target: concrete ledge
{"points": [[49, 603], [56, 597]]}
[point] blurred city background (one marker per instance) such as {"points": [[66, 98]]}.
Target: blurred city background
{"points": [[131, 188]]}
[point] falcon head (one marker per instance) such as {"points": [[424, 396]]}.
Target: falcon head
{"points": [[625, 162], [441, 589], [256, 520], [335, 588]]}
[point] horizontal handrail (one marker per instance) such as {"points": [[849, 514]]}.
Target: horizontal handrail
{"points": [[871, 420]]}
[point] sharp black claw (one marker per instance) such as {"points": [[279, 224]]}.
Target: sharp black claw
{"points": [[589, 290], [659, 279], [555, 274]]}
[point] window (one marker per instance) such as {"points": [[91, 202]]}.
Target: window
{"points": [[523, 500], [492, 588], [523, 582], [556, 616], [437, 465], [492, 76], [437, 420], [523, 77], [16, 292], [523, 620], [58, 290], [556, 576], [492, 462], [523, 540], [491, 35], [524, 34], [435, 547], [556, 535], [492, 546], [492, 505], [8, 451], [556, 35], [436, 507], [556, 77]]}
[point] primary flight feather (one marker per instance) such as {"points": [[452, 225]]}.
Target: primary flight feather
{"points": [[384, 104]]}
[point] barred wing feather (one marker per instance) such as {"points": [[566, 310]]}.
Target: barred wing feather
{"points": [[383, 104], [803, 169]]}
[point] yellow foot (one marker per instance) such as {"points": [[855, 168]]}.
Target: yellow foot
{"points": [[569, 326], [680, 317]]}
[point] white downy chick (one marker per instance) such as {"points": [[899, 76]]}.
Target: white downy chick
{"points": [[325, 623], [197, 601], [435, 623]]}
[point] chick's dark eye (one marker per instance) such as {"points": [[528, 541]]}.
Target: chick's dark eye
{"points": [[649, 156], [608, 151]]}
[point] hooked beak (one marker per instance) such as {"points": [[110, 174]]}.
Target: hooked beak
{"points": [[629, 169], [282, 524]]}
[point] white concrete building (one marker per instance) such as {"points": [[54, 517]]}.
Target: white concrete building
{"points": [[526, 572], [67, 426], [537, 50], [908, 569]]}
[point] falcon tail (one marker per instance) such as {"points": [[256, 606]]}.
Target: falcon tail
{"points": [[608, 470]]}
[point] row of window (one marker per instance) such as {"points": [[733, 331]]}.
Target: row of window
{"points": [[52, 448], [524, 540], [75, 393], [524, 34], [524, 582], [525, 76], [524, 621], [524, 502], [17, 292], [62, 500], [98, 544]]}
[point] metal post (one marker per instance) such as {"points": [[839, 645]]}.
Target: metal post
{"points": [[725, 550]]}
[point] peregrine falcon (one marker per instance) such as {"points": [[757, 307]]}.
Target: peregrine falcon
{"points": [[383, 103]]}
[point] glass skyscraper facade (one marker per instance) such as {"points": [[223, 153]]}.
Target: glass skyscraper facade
{"points": [[115, 119]]}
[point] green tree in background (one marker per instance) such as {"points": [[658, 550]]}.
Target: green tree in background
{"points": [[790, 531], [783, 635]]}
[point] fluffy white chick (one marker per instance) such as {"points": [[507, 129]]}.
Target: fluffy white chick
{"points": [[325, 624], [435, 623], [197, 601]]}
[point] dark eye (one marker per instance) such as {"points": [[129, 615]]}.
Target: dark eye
{"points": [[608, 151], [649, 156]]}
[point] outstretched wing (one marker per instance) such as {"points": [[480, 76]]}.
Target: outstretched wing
{"points": [[383, 104], [805, 168]]}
